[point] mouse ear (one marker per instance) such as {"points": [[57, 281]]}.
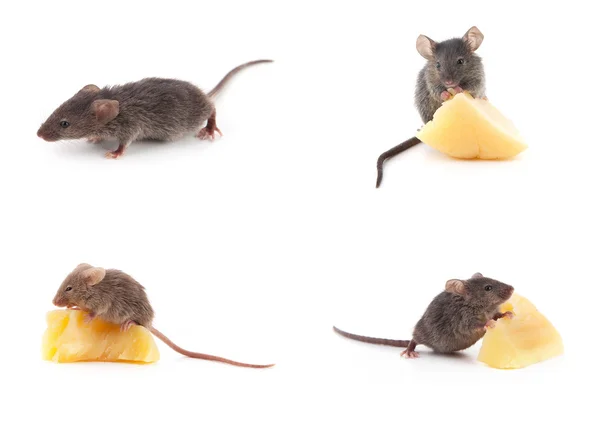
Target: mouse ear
{"points": [[473, 37], [93, 275], [90, 88], [82, 266], [456, 287], [426, 46], [105, 110], [477, 275]]}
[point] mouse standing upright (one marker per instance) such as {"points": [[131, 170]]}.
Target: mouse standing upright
{"points": [[455, 319], [149, 109], [116, 297], [451, 65]]}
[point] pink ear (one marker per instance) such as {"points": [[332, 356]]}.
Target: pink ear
{"points": [[90, 88], [425, 46], [105, 110], [93, 276], [456, 287], [473, 37]]}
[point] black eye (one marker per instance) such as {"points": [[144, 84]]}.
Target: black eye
{"points": [[488, 287], [437, 65], [64, 124], [69, 289], [460, 61]]}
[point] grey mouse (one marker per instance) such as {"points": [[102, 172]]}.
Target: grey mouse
{"points": [[455, 319], [150, 109], [115, 297], [451, 64]]}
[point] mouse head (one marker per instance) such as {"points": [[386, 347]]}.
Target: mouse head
{"points": [[75, 288], [453, 61], [481, 290], [83, 115]]}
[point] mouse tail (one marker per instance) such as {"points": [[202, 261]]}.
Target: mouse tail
{"points": [[373, 340], [393, 152], [196, 355], [232, 73]]}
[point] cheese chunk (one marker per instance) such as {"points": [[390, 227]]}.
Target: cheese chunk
{"points": [[68, 338], [525, 340], [468, 128]]}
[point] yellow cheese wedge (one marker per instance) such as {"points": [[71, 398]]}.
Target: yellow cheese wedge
{"points": [[468, 128], [525, 340], [68, 338]]}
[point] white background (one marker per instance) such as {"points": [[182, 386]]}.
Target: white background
{"points": [[253, 246]]}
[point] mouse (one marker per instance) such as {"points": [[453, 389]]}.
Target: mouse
{"points": [[116, 297], [452, 66], [455, 319], [159, 109]]}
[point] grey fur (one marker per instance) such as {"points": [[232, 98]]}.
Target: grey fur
{"points": [[455, 319], [469, 76], [149, 109], [455, 322]]}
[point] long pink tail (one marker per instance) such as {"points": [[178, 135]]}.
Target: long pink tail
{"points": [[196, 355]]}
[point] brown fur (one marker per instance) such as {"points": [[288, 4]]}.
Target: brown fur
{"points": [[116, 297]]}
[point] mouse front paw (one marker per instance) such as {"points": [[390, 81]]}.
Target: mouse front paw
{"points": [[94, 140], [445, 96], [89, 318], [127, 325], [490, 324], [508, 314]]}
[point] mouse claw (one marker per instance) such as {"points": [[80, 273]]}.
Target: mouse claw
{"points": [[490, 324], [410, 354], [114, 155], [508, 314], [208, 133], [127, 325]]}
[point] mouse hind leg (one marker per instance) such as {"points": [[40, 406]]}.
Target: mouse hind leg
{"points": [[410, 350], [208, 132]]}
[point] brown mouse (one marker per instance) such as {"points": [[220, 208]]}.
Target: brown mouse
{"points": [[149, 109], [115, 297], [455, 319], [452, 65]]}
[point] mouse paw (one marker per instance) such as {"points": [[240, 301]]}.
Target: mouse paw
{"points": [[94, 140], [445, 96], [410, 354], [208, 133], [89, 318], [490, 324], [127, 325], [508, 314], [114, 155]]}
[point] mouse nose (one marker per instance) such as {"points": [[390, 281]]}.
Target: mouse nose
{"points": [[449, 83]]}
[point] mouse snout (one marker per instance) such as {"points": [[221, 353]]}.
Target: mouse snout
{"points": [[449, 83]]}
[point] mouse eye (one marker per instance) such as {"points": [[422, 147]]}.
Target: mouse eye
{"points": [[64, 124], [69, 289], [460, 61], [488, 288], [437, 65]]}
